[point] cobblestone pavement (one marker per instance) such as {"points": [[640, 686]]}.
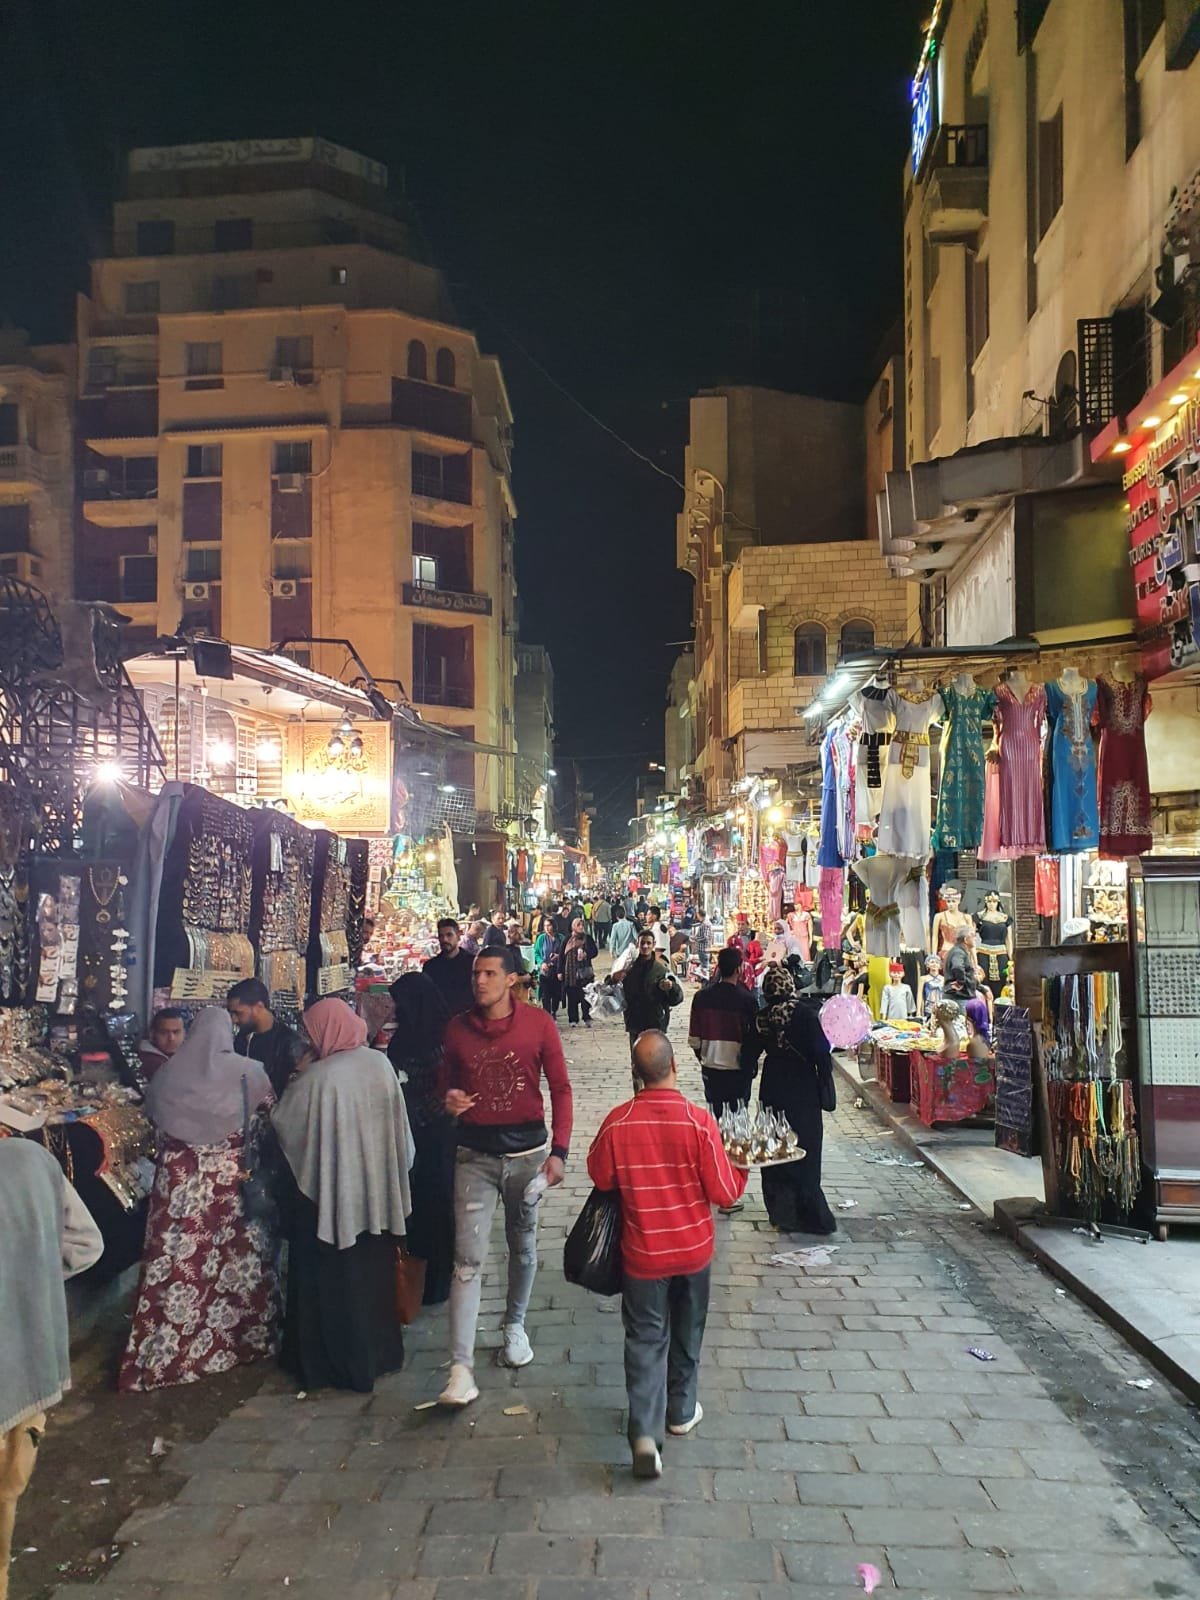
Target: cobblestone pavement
{"points": [[845, 1422]]}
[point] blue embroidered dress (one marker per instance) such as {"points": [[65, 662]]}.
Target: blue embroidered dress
{"points": [[1074, 808]]}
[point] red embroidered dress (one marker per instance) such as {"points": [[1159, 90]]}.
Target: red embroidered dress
{"points": [[1120, 714]]}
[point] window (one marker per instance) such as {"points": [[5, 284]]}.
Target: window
{"points": [[141, 299], [933, 396], [233, 233], [204, 461], [933, 261], [291, 559], [203, 365], [139, 578], [1029, 20], [809, 651], [234, 291], [295, 354], [857, 639], [339, 276], [14, 529], [202, 564], [425, 572], [449, 551], [417, 367], [442, 477], [1049, 171], [156, 238], [443, 666], [9, 422], [445, 368], [1143, 19], [977, 314], [201, 511], [293, 455]]}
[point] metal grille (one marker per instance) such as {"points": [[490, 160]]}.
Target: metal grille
{"points": [[1097, 379]]}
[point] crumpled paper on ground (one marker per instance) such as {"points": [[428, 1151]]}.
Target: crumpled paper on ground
{"points": [[820, 1255]]}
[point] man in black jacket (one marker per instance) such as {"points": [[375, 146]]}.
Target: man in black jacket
{"points": [[650, 991], [450, 969], [262, 1036]]}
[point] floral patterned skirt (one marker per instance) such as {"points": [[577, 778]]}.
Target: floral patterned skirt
{"points": [[208, 1298]]}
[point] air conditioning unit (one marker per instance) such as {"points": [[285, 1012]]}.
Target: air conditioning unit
{"points": [[283, 375], [304, 377], [95, 478], [290, 482], [195, 591], [284, 588]]}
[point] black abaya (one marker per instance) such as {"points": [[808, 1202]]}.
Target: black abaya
{"points": [[791, 1083], [341, 1326]]}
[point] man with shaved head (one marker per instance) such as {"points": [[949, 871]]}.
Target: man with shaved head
{"points": [[664, 1156]]}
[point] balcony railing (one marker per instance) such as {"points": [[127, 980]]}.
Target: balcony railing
{"points": [[434, 487], [188, 241], [961, 145], [955, 202], [428, 692]]}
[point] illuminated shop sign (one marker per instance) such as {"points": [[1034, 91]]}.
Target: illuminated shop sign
{"points": [[1163, 486], [923, 119]]}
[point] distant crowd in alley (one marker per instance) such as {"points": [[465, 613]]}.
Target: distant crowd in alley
{"points": [[314, 1188]]}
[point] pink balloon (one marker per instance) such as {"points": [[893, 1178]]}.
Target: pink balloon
{"points": [[845, 1020], [870, 1577]]}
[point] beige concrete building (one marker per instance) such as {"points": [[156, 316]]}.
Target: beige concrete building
{"points": [[679, 725], [534, 710], [36, 478], [789, 579], [1052, 286], [285, 434]]}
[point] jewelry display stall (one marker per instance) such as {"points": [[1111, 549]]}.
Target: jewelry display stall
{"points": [[281, 907], [330, 971], [202, 944]]}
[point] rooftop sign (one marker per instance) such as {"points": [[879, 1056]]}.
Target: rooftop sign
{"points": [[235, 153]]}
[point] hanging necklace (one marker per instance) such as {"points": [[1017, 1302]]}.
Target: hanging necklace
{"points": [[103, 882]]}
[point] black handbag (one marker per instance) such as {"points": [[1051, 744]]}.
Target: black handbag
{"points": [[592, 1253], [826, 1087], [259, 1200]]}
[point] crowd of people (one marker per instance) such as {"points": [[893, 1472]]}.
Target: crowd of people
{"points": [[306, 1178]]}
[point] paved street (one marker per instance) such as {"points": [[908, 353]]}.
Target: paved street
{"points": [[845, 1422]]}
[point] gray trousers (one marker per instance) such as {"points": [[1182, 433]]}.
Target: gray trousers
{"points": [[482, 1182], [664, 1328]]}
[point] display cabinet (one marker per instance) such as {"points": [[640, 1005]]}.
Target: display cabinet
{"points": [[1164, 933]]}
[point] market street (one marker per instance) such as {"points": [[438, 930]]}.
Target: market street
{"points": [[845, 1422]]}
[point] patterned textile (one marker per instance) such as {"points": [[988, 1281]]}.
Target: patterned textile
{"points": [[960, 798], [1074, 818], [208, 1298], [1120, 714]]}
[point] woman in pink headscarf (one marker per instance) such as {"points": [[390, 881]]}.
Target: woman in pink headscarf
{"points": [[344, 1133]]}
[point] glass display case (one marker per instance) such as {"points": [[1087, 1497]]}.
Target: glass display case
{"points": [[1164, 931]]}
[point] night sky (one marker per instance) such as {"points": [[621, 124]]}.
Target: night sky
{"points": [[644, 198]]}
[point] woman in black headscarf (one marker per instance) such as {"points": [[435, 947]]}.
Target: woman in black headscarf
{"points": [[797, 1075], [415, 1050]]}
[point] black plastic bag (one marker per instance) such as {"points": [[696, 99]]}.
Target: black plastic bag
{"points": [[592, 1253]]}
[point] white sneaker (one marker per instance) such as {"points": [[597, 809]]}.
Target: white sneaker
{"points": [[461, 1389], [681, 1428], [517, 1352], [647, 1463]]}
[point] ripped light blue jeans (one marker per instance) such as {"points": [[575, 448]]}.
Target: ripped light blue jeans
{"points": [[480, 1182]]}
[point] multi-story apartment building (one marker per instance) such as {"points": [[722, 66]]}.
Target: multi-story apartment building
{"points": [[788, 577], [36, 478], [1052, 309], [284, 434], [534, 712], [679, 726]]}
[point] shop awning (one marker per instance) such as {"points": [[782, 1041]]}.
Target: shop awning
{"points": [[935, 514]]}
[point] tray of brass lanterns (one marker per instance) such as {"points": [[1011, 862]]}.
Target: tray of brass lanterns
{"points": [[758, 1138]]}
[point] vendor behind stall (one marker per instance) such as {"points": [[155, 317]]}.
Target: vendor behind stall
{"points": [[164, 1036], [262, 1036]]}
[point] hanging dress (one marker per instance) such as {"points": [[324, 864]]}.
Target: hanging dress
{"points": [[904, 820], [829, 852], [876, 720], [1022, 815], [892, 914], [1074, 813], [1120, 714], [961, 795]]}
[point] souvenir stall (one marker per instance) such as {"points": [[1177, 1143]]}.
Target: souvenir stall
{"points": [[328, 947], [202, 939], [281, 907], [71, 725]]}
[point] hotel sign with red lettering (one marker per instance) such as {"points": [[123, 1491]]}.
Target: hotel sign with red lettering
{"points": [[1162, 483]]}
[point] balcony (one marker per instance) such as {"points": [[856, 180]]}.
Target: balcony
{"points": [[433, 692], [116, 499], [22, 467], [119, 414], [955, 202]]}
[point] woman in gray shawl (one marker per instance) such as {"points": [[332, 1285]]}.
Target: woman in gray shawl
{"points": [[209, 1292], [343, 1129]]}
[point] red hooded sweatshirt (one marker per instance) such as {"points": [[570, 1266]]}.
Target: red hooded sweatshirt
{"points": [[503, 1062]]}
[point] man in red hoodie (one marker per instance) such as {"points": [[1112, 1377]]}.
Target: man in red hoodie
{"points": [[664, 1156], [493, 1060]]}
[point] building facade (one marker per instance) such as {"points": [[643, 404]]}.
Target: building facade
{"points": [[534, 714], [679, 725], [283, 434], [1051, 268], [788, 576], [36, 477]]}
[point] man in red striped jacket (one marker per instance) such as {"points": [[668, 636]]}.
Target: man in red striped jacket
{"points": [[664, 1156]]}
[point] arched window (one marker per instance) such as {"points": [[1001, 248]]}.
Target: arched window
{"points": [[858, 638], [809, 660], [417, 362], [445, 367]]}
